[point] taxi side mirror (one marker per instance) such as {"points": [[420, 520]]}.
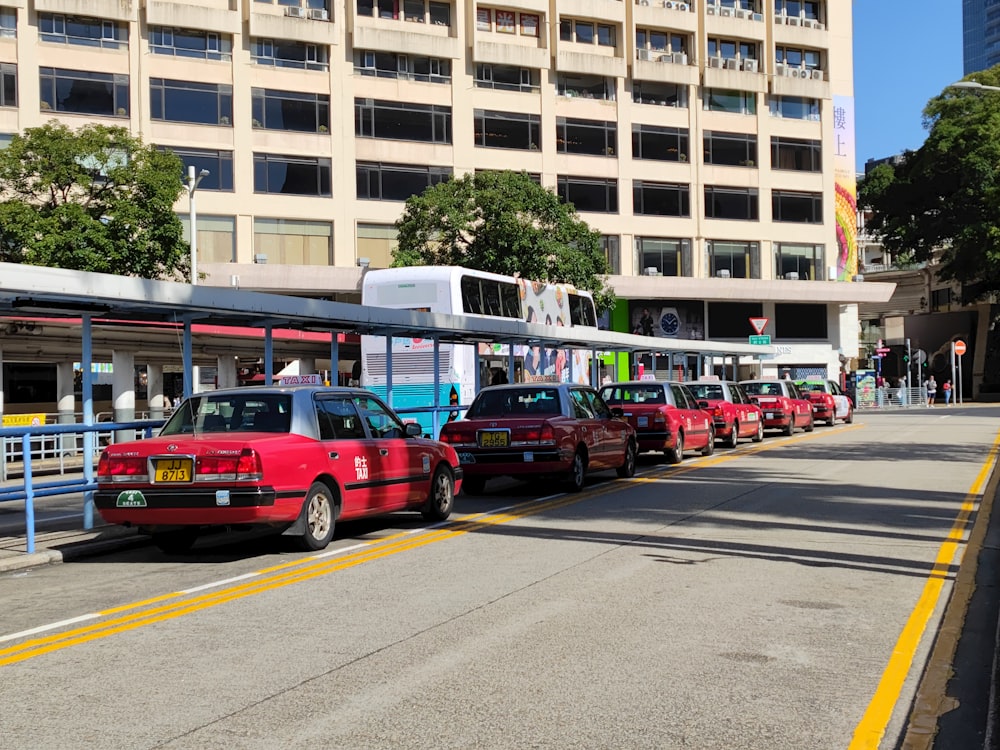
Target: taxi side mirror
{"points": [[413, 429], [703, 404]]}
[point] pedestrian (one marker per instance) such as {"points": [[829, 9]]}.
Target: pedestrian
{"points": [[931, 385], [946, 387]]}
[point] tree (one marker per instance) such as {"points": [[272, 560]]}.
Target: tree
{"points": [[503, 222], [92, 199], [943, 200]]}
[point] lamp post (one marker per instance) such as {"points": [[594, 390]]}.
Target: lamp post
{"points": [[192, 181], [973, 85]]}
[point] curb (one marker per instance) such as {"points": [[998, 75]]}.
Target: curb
{"points": [[110, 540]]}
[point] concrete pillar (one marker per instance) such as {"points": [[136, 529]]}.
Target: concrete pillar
{"points": [[307, 366], [65, 405], [123, 391], [155, 396], [226, 371]]}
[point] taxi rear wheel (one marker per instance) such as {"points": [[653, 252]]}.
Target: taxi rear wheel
{"points": [[810, 425], [734, 437], [318, 518], [850, 417], [577, 472], [791, 425], [760, 432], [676, 454], [442, 496]]}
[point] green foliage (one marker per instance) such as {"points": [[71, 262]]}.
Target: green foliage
{"points": [[92, 199], [943, 200], [505, 223]]}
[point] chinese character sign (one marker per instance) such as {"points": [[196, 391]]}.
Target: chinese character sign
{"points": [[846, 205]]}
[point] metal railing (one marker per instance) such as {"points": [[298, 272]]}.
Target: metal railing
{"points": [[888, 398], [44, 439]]}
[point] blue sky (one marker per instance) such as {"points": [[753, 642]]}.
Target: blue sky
{"points": [[905, 52]]}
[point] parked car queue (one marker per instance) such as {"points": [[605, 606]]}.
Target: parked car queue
{"points": [[296, 459]]}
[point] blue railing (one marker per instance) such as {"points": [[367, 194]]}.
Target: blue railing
{"points": [[85, 484]]}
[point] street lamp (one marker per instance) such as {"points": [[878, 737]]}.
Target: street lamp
{"points": [[192, 181], [972, 85]]}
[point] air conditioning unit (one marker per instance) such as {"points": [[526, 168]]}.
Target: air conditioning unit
{"points": [[295, 12], [651, 271], [792, 275], [644, 2], [715, 62], [791, 72], [793, 21], [723, 273], [818, 26], [260, 258], [750, 65], [319, 14], [742, 13], [817, 75], [859, 277], [805, 73], [681, 6], [759, 17], [681, 58], [725, 11], [807, 23], [780, 69], [668, 4], [732, 63], [644, 54], [710, 10], [666, 58]]}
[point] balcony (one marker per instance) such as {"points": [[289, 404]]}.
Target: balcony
{"points": [[407, 37], [109, 10], [219, 16], [661, 65], [790, 80], [735, 23], [656, 14], [801, 31], [303, 24], [599, 10], [735, 73]]}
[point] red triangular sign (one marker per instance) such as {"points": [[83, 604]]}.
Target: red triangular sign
{"points": [[759, 324]]}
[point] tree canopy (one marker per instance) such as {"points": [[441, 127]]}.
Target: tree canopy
{"points": [[92, 199], [943, 200], [503, 222]]}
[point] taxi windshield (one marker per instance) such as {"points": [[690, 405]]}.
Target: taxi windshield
{"points": [[231, 412], [515, 402]]}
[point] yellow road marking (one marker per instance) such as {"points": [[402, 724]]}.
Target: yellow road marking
{"points": [[870, 730]]}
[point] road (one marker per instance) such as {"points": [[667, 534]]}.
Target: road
{"points": [[784, 595]]}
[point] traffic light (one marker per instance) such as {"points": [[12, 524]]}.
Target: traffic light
{"points": [[906, 357]]}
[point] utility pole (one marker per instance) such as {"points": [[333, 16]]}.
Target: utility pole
{"points": [[909, 362]]}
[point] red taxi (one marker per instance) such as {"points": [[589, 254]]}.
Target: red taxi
{"points": [[528, 430], [734, 413], [665, 415], [829, 401], [783, 406], [293, 459]]}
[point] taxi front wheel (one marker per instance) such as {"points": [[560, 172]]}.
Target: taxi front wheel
{"points": [[317, 517]]}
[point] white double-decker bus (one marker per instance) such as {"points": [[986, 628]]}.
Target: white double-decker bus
{"points": [[461, 291]]}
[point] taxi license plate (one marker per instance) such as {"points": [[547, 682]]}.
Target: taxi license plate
{"points": [[172, 470], [494, 439], [770, 415], [643, 421]]}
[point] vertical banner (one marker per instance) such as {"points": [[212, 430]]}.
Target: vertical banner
{"points": [[845, 178]]}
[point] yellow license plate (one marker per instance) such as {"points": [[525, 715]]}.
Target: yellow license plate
{"points": [[172, 470], [495, 439]]}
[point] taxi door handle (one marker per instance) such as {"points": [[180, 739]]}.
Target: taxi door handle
{"points": [[383, 451], [333, 454]]}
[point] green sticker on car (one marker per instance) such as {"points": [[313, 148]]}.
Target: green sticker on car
{"points": [[131, 499]]}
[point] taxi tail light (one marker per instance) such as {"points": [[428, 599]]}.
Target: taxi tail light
{"points": [[659, 417], [717, 411], [121, 468], [535, 435], [244, 467], [456, 436]]}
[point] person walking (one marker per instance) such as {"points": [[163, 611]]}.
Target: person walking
{"points": [[946, 387], [931, 385]]}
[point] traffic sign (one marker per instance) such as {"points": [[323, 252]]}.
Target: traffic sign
{"points": [[882, 350], [960, 347], [760, 340], [759, 324]]}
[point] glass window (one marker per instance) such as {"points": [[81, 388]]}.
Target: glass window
{"points": [[84, 31], [440, 14], [661, 144], [507, 130], [800, 321], [396, 182], [413, 10], [382, 424], [591, 137], [392, 65], [584, 32], [218, 163], [794, 108], [606, 35], [338, 420], [735, 102], [506, 77], [290, 110], [737, 260], [187, 101], [216, 236], [8, 23], [282, 53], [661, 94], [200, 45], [429, 123], [669, 257], [803, 262], [293, 241], [377, 242], [585, 86], [8, 85], [291, 175], [731, 203], [660, 199], [482, 296], [242, 412], [796, 154], [732, 149], [611, 243], [586, 194], [83, 92], [805, 208]]}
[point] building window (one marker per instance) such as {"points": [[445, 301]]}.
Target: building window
{"points": [[941, 299], [291, 175], [797, 57], [728, 320], [611, 244], [660, 199], [796, 7], [587, 194], [585, 87], [794, 108], [218, 163], [408, 67], [290, 110], [412, 10], [800, 155], [660, 41], [396, 182], [731, 203], [590, 137], [586, 32], [797, 321], [377, 242], [662, 94], [187, 101], [200, 45], [8, 23], [731, 49], [87, 32], [8, 85], [798, 261], [5, 140], [506, 77], [660, 144], [216, 236], [293, 242], [803, 208], [84, 93], [507, 21], [507, 130], [669, 257], [730, 149], [402, 121], [282, 53], [737, 260], [727, 100]]}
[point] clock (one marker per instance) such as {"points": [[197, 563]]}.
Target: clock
{"points": [[670, 322]]}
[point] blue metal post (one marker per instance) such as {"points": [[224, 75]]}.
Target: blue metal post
{"points": [[436, 417], [334, 359], [511, 362], [268, 356], [388, 370], [595, 369], [187, 354], [87, 384], [29, 492]]}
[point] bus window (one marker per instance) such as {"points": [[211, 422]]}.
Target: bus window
{"points": [[491, 298], [511, 301], [582, 311], [472, 296]]}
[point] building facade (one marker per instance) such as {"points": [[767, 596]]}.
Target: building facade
{"points": [[704, 141], [980, 35]]}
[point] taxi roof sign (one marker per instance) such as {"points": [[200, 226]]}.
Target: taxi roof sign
{"points": [[301, 380]]}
